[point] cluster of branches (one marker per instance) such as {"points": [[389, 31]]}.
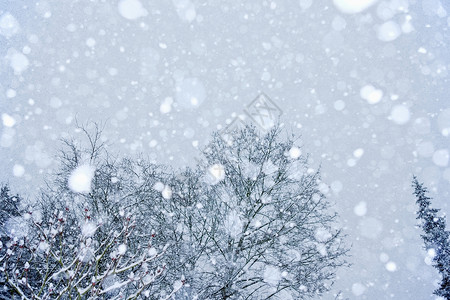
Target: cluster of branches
{"points": [[58, 258], [250, 221]]}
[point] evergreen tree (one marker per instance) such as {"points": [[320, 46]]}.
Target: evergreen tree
{"points": [[9, 214], [435, 237], [9, 206]]}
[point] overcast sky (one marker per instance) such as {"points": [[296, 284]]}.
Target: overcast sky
{"points": [[364, 84]]}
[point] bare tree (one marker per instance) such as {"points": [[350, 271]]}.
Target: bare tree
{"points": [[255, 221], [117, 191]]}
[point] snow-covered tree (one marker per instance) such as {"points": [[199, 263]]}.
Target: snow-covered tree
{"points": [[88, 227], [255, 221], [435, 237]]}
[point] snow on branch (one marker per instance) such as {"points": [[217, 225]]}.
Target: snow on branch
{"points": [[60, 260]]}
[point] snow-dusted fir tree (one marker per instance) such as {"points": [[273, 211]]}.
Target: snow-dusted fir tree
{"points": [[10, 212], [255, 221], [435, 237], [9, 207]]}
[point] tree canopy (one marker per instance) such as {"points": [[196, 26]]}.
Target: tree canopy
{"points": [[249, 221]]}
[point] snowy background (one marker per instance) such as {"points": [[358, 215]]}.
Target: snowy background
{"points": [[365, 84]]}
